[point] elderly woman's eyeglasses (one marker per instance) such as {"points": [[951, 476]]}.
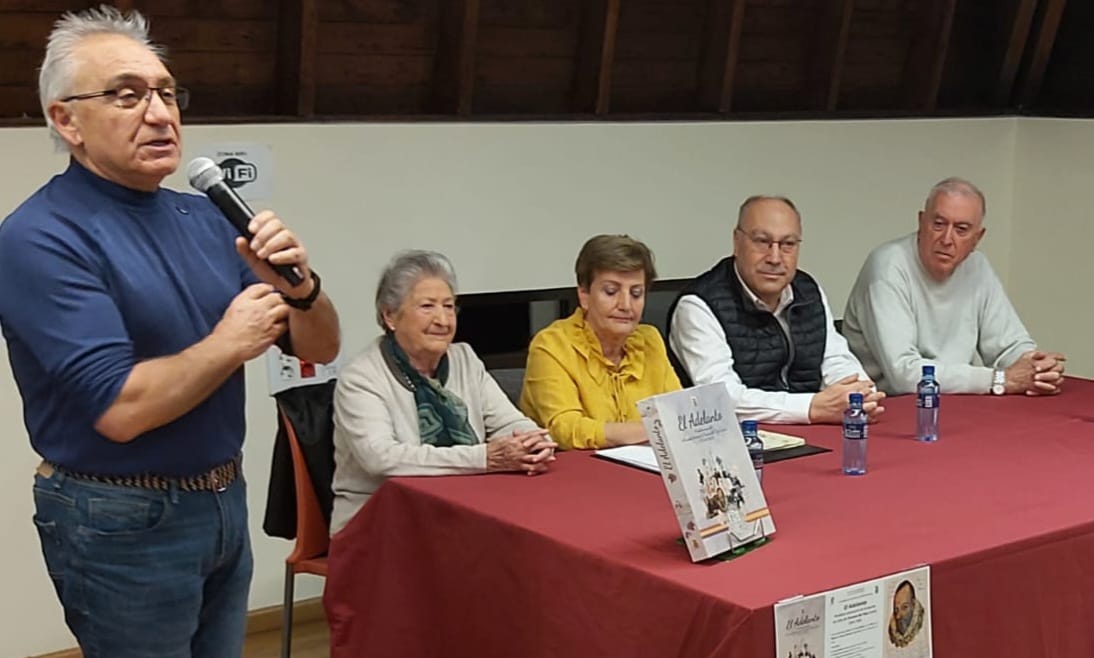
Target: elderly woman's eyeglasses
{"points": [[130, 96]]}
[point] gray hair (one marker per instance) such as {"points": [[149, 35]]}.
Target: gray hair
{"points": [[55, 78], [756, 198], [404, 271], [958, 187]]}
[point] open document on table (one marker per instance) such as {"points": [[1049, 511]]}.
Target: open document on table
{"points": [[641, 456]]}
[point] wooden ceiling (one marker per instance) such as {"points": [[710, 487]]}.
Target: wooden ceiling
{"points": [[264, 60]]}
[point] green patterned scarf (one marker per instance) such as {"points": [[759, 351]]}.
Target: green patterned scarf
{"points": [[442, 416]]}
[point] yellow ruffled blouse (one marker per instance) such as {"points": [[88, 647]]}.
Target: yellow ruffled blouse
{"points": [[571, 389]]}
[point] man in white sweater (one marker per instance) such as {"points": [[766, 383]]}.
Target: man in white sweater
{"points": [[930, 298]]}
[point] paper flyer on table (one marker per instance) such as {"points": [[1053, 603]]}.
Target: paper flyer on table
{"points": [[799, 627], [640, 456], [888, 617]]}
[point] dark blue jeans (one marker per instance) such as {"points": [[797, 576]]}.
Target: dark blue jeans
{"points": [[144, 573]]}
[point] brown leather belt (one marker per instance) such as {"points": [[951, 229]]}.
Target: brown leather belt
{"points": [[216, 479]]}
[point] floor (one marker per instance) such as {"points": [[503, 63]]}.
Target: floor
{"points": [[310, 640]]}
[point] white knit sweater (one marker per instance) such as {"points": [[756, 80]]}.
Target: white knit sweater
{"points": [[898, 318]]}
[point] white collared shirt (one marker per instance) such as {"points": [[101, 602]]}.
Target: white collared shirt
{"points": [[700, 343]]}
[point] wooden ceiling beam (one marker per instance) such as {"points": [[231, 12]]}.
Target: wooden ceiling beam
{"points": [[1042, 50], [297, 36], [721, 51], [592, 88], [829, 50], [1016, 46], [947, 9], [454, 72], [927, 58]]}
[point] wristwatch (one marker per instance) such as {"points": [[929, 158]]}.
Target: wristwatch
{"points": [[304, 303], [998, 382]]}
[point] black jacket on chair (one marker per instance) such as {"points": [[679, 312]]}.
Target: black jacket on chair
{"points": [[311, 411]]}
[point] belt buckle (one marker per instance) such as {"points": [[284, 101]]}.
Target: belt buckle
{"points": [[219, 485]]}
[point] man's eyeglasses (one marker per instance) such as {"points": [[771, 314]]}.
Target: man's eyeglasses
{"points": [[787, 245], [130, 96]]}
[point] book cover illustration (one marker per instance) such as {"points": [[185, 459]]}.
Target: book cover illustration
{"points": [[706, 469]]}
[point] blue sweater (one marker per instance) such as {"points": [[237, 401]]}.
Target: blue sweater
{"points": [[96, 277]]}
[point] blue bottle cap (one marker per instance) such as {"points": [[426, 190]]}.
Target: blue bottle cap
{"points": [[750, 426], [928, 370], [856, 399]]}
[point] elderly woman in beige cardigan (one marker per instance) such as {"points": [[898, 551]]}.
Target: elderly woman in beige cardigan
{"points": [[414, 403]]}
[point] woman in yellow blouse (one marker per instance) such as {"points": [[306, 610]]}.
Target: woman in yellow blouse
{"points": [[586, 372]]}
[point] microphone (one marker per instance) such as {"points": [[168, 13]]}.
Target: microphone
{"points": [[205, 176]]}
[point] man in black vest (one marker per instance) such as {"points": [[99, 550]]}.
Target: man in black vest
{"points": [[764, 328]]}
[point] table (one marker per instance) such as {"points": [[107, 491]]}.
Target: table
{"points": [[585, 561]]}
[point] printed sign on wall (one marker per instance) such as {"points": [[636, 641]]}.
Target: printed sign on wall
{"points": [[285, 371], [248, 168]]}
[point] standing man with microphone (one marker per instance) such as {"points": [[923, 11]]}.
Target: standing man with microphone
{"points": [[129, 311]]}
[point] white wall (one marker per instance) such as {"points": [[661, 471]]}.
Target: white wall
{"points": [[1051, 268], [511, 204]]}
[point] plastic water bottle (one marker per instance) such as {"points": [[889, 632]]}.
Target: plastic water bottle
{"points": [[854, 437], [926, 402], [751, 431]]}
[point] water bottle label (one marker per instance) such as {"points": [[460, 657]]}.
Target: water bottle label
{"points": [[855, 431], [928, 401]]}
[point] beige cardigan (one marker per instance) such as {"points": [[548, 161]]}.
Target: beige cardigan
{"points": [[376, 426]]}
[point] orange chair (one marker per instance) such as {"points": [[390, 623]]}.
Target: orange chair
{"points": [[309, 555]]}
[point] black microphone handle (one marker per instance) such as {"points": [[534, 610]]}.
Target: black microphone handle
{"points": [[240, 215]]}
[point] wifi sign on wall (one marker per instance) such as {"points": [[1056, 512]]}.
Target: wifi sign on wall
{"points": [[248, 168]]}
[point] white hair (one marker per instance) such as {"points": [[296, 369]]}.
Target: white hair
{"points": [[404, 271], [958, 187], [55, 78]]}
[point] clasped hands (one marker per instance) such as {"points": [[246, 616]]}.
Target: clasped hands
{"points": [[1036, 373], [829, 404], [525, 451]]}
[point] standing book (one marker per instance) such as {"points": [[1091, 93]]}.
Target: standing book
{"points": [[706, 469]]}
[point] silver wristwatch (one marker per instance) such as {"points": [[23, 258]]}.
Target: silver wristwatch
{"points": [[998, 382]]}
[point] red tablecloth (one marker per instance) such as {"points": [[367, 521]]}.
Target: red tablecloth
{"points": [[585, 561]]}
